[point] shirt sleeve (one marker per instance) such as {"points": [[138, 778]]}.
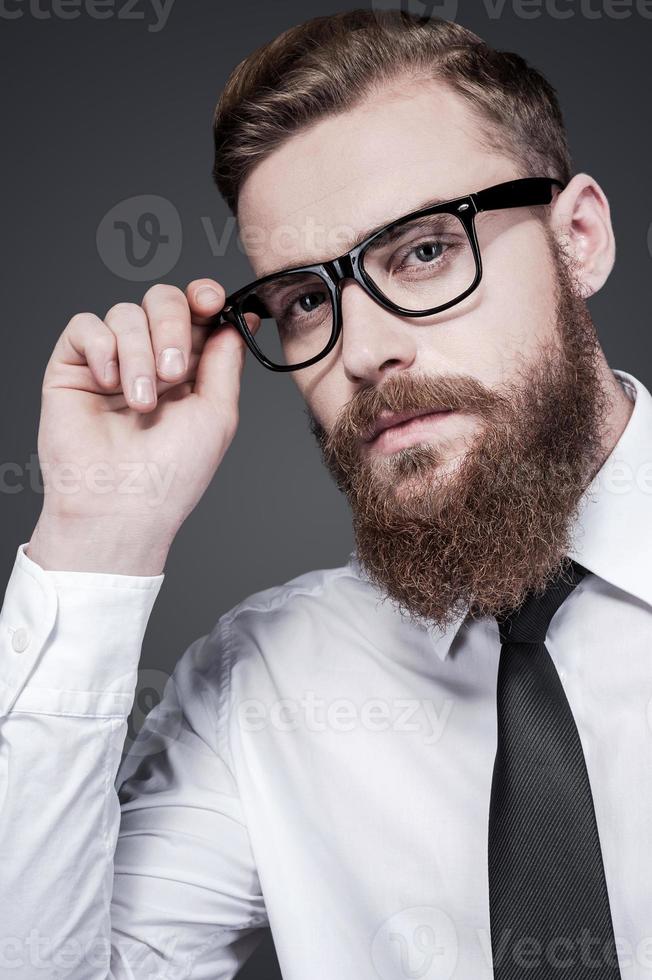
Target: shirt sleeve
{"points": [[140, 870]]}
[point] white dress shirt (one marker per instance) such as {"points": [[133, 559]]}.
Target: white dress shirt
{"points": [[317, 764]]}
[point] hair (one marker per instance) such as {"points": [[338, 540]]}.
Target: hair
{"points": [[330, 65]]}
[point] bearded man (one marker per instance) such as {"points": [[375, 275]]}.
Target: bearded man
{"points": [[433, 760]]}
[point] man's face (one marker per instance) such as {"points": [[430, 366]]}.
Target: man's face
{"points": [[497, 360], [363, 168]]}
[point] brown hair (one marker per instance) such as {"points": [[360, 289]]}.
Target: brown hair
{"points": [[329, 65]]}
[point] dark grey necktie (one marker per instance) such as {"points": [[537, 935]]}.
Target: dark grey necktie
{"points": [[549, 906]]}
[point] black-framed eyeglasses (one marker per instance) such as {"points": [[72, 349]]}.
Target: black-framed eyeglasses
{"points": [[417, 265]]}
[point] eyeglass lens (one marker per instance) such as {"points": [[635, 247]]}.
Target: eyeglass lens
{"points": [[418, 265]]}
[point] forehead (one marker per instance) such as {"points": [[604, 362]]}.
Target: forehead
{"points": [[312, 197]]}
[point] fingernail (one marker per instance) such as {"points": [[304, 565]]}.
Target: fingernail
{"points": [[171, 361], [206, 295], [111, 372], [142, 391]]}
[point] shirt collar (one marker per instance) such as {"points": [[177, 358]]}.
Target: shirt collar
{"points": [[441, 638], [612, 534]]}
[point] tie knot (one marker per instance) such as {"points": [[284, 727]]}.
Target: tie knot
{"points": [[530, 621]]}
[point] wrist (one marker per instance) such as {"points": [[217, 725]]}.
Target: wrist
{"points": [[94, 544]]}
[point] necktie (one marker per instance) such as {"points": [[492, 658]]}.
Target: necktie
{"points": [[549, 907]]}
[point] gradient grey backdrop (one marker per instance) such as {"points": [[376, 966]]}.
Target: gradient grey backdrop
{"points": [[97, 111]]}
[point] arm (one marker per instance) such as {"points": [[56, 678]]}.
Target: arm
{"points": [[150, 392], [147, 875]]}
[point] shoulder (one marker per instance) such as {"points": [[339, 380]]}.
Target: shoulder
{"points": [[274, 640], [296, 618], [311, 593], [304, 623]]}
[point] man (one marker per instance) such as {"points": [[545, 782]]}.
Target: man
{"points": [[341, 758]]}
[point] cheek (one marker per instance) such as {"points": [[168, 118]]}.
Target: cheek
{"points": [[488, 337], [324, 389], [510, 316], [522, 274]]}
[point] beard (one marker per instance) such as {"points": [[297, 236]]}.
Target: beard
{"points": [[442, 541]]}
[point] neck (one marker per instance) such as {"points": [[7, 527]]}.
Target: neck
{"points": [[620, 408]]}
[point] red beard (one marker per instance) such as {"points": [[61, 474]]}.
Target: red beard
{"points": [[477, 539]]}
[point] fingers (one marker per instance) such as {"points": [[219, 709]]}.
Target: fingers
{"points": [[88, 340], [205, 298], [169, 324], [135, 355], [155, 343], [147, 349], [118, 402]]}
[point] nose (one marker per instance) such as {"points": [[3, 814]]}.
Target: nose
{"points": [[374, 341]]}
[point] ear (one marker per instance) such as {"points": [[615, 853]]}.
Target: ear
{"points": [[581, 219]]}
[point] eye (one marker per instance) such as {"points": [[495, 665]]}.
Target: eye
{"points": [[303, 310], [310, 301], [429, 251]]}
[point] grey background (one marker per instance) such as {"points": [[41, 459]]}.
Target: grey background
{"points": [[97, 111]]}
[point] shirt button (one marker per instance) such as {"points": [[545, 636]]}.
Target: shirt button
{"points": [[20, 639]]}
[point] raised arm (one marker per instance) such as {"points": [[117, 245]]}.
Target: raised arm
{"points": [[138, 410]]}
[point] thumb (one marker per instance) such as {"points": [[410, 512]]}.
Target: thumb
{"points": [[220, 366]]}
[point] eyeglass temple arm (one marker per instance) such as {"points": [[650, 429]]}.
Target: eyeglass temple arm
{"points": [[252, 304], [525, 192]]}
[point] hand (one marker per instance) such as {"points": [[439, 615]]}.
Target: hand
{"points": [[137, 413]]}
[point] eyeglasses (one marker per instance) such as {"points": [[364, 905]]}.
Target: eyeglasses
{"points": [[415, 266]]}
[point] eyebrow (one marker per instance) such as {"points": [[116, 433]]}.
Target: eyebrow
{"points": [[360, 236]]}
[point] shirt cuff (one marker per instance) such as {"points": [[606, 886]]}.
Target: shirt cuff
{"points": [[70, 642]]}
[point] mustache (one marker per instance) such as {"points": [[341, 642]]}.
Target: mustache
{"points": [[409, 392]]}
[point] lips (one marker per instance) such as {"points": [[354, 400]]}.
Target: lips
{"points": [[387, 420]]}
